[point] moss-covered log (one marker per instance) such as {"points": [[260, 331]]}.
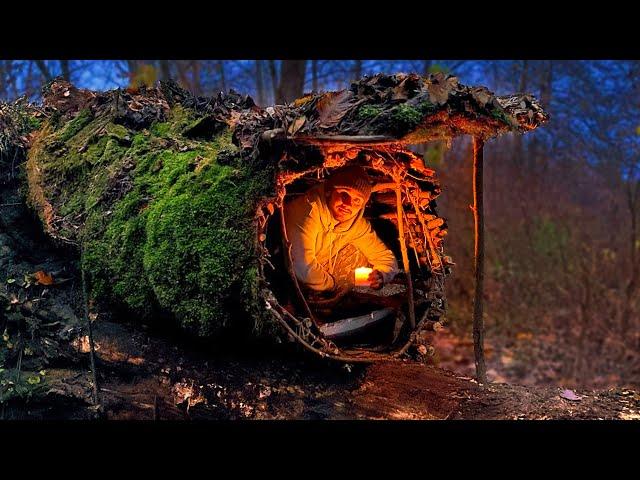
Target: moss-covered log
{"points": [[167, 195], [163, 223]]}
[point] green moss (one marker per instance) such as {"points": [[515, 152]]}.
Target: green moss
{"points": [[178, 119], [500, 114], [366, 112], [180, 238], [118, 132], [406, 116], [161, 129], [403, 118], [199, 250], [426, 107], [72, 128], [33, 123]]}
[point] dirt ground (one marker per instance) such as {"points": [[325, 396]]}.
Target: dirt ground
{"points": [[150, 375]]}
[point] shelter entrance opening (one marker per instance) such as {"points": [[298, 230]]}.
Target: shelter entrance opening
{"points": [[355, 248]]}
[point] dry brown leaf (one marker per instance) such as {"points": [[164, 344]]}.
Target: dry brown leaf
{"points": [[435, 223], [297, 125], [570, 395], [332, 107], [301, 101], [524, 336], [399, 92], [481, 95], [43, 278]]}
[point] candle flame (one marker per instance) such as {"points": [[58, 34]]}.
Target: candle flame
{"points": [[362, 276]]}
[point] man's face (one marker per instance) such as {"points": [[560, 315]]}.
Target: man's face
{"points": [[344, 203]]}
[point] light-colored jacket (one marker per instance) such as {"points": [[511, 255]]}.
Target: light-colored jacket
{"points": [[316, 238]]}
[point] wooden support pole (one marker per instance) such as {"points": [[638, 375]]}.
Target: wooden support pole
{"points": [[87, 319], [405, 256], [478, 217], [289, 263]]}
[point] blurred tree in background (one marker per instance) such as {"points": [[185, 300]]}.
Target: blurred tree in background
{"points": [[562, 203]]}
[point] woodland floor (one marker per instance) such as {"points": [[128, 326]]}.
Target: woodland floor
{"points": [[149, 375]]}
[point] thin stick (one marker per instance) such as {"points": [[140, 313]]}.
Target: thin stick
{"points": [[478, 217], [19, 366], [405, 256], [91, 344], [289, 263]]}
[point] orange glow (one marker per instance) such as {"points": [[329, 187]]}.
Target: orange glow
{"points": [[362, 276]]}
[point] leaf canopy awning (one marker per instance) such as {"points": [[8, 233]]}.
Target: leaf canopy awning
{"points": [[407, 108]]}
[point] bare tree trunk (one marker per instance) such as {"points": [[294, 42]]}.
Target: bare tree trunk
{"points": [[292, 74], [259, 83], [357, 70], [518, 139], [12, 77], [223, 80], [580, 364], [64, 68], [132, 68], [28, 80], [426, 67], [42, 66], [633, 200], [182, 73], [165, 70], [273, 74], [314, 75], [522, 85], [4, 73], [197, 84], [546, 91], [478, 217]]}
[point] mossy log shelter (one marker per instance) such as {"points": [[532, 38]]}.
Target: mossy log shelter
{"points": [[175, 203]]}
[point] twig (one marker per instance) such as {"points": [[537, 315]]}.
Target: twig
{"points": [[405, 256], [91, 344], [289, 263], [19, 366]]}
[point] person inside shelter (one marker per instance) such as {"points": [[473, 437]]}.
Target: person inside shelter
{"points": [[330, 237]]}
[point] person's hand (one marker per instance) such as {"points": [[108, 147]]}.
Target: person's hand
{"points": [[376, 280]]}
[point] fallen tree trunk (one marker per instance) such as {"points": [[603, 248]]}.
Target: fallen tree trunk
{"points": [[168, 195], [138, 182]]}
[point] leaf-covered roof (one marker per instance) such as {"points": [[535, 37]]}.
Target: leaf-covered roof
{"points": [[410, 108], [400, 108]]}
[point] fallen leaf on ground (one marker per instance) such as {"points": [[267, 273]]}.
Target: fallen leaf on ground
{"points": [[43, 278], [629, 416], [570, 395], [524, 336]]}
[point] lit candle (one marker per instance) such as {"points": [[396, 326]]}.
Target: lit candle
{"points": [[362, 276]]}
